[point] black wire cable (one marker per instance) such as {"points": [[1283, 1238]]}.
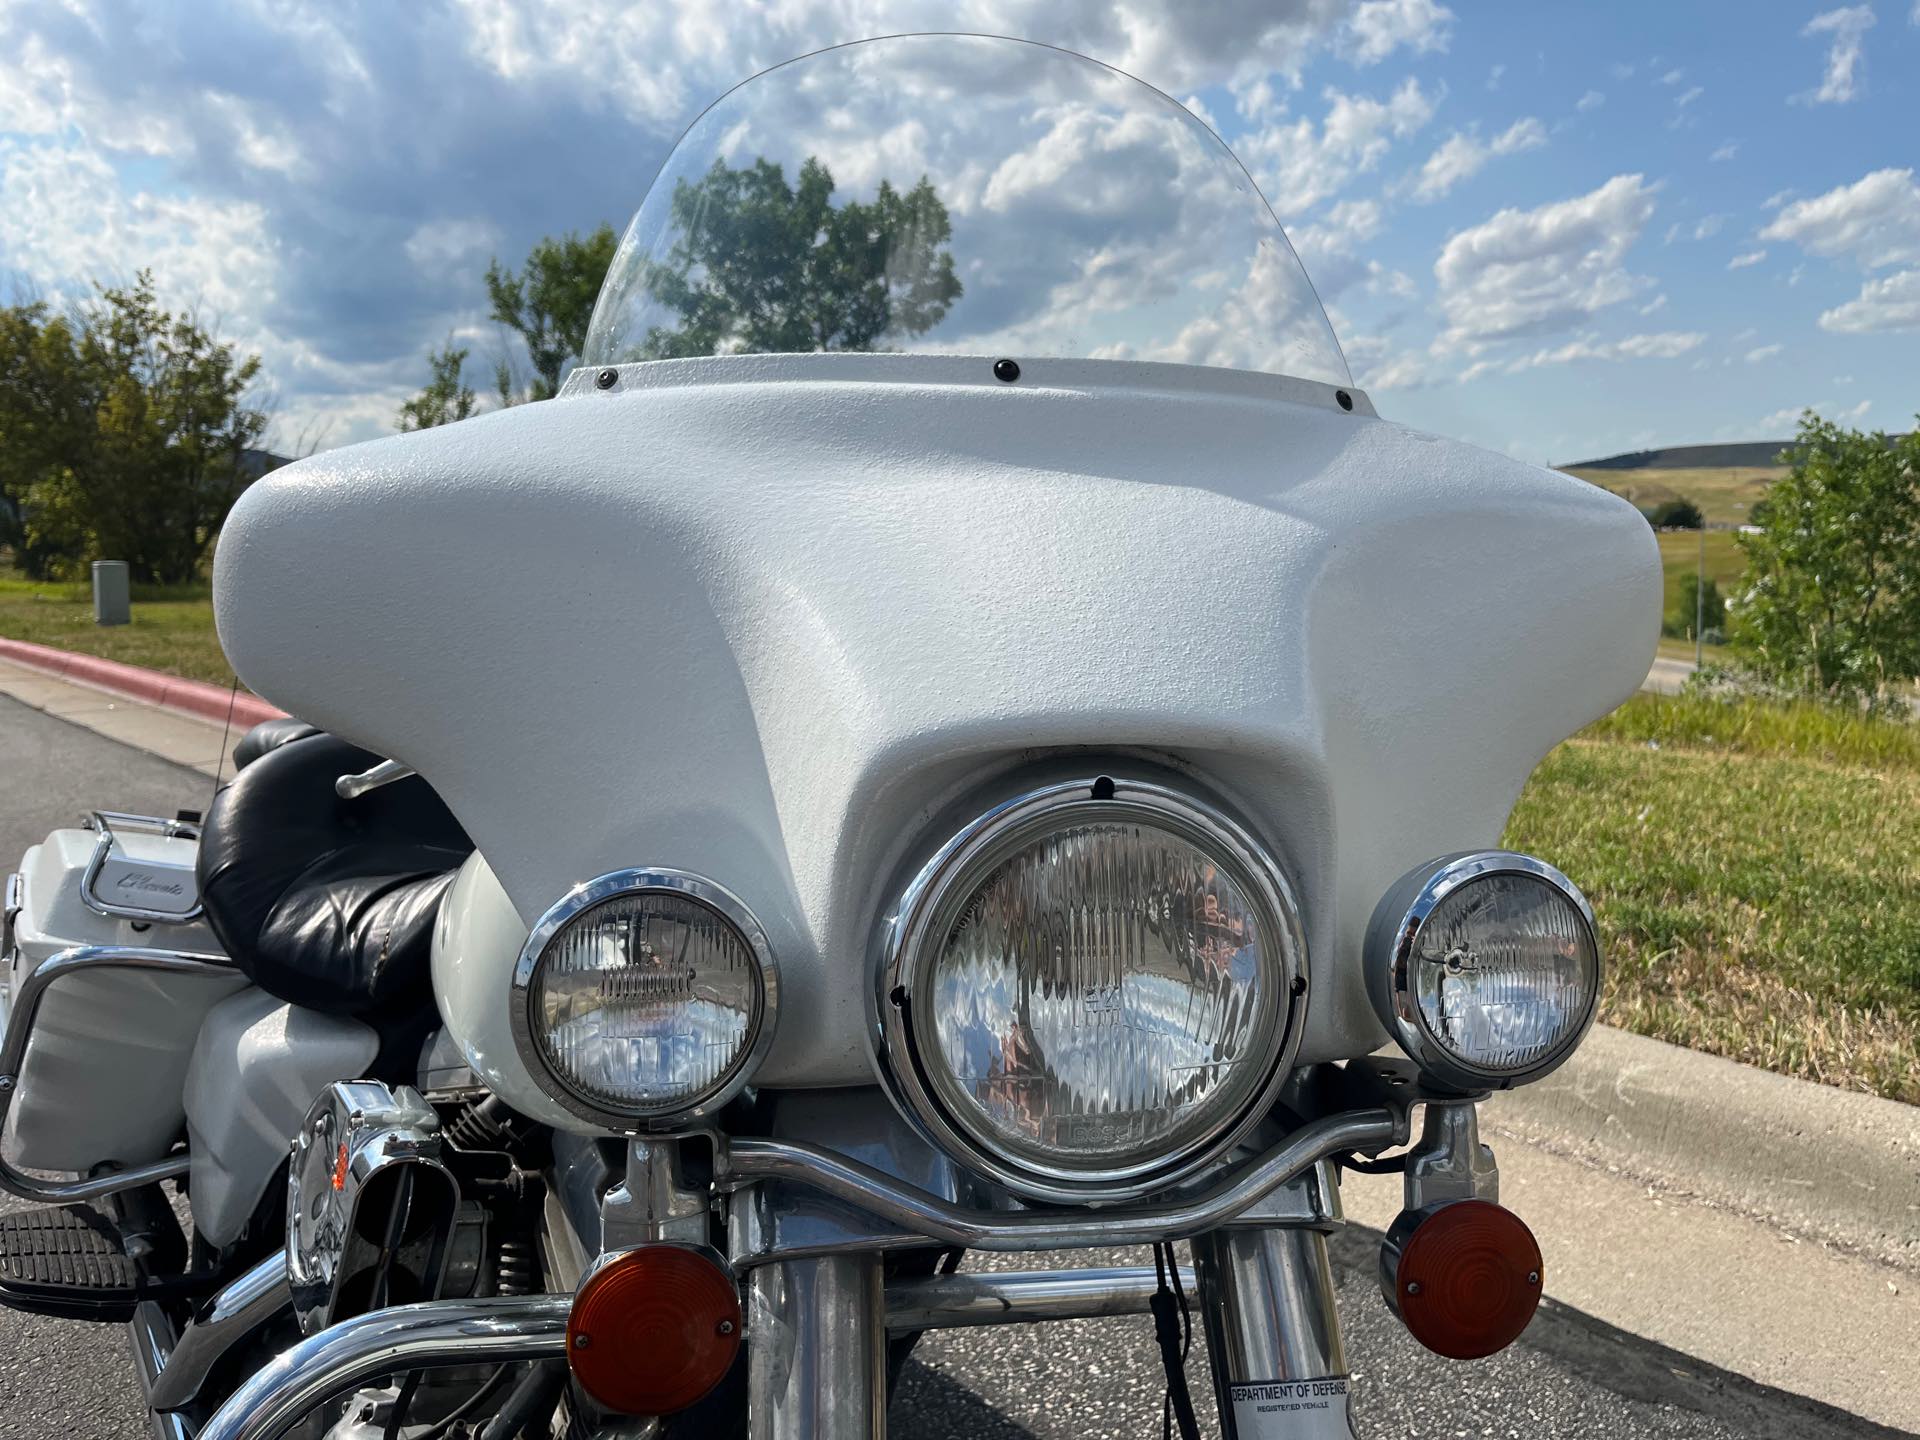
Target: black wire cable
{"points": [[1173, 1328]]}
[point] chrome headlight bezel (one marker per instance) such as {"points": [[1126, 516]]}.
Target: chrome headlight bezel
{"points": [[904, 954], [1395, 933], [618, 884]]}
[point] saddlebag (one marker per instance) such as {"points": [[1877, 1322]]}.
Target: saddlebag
{"points": [[99, 1064]]}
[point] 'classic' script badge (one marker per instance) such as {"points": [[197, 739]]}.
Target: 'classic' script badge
{"points": [[1291, 1409]]}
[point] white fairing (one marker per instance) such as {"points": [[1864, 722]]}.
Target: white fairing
{"points": [[758, 617]]}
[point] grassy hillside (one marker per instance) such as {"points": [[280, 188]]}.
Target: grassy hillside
{"points": [[1725, 497]]}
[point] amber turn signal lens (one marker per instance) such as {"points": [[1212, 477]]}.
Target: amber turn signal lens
{"points": [[1464, 1278], [653, 1330]]}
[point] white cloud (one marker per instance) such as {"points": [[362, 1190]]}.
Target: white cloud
{"points": [[1787, 418], [1621, 70], [1655, 305], [1673, 76], [1463, 155], [1659, 345], [1726, 152], [1705, 228], [1348, 225], [1377, 28], [1299, 164], [1840, 83], [65, 218], [1493, 76], [1530, 272], [1592, 100], [1688, 96], [1890, 303], [1875, 220], [439, 244], [1763, 352], [1777, 199], [1746, 258], [652, 62]]}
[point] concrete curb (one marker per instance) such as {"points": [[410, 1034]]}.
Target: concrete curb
{"points": [[166, 692], [1812, 1159]]}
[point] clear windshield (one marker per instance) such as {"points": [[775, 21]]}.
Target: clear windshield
{"points": [[959, 194]]}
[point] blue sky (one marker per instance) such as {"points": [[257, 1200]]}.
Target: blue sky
{"points": [[1560, 232]]}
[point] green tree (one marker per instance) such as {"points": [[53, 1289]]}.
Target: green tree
{"points": [[759, 265], [169, 447], [1833, 604], [46, 422], [446, 398], [1698, 605], [549, 304]]}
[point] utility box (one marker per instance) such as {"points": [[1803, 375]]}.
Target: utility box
{"points": [[112, 598]]}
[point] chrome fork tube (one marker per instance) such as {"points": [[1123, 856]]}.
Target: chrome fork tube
{"points": [[1279, 1366], [817, 1350]]}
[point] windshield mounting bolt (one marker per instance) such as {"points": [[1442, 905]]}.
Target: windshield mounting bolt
{"points": [[607, 379], [1006, 371]]}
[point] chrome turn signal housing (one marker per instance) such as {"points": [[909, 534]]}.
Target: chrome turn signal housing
{"points": [[1485, 968], [644, 997], [1092, 990]]}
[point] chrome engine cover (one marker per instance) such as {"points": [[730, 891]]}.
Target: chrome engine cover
{"points": [[366, 1179]]}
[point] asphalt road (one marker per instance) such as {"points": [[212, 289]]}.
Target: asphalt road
{"points": [[1571, 1376]]}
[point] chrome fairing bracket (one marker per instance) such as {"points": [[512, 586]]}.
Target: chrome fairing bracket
{"points": [[1450, 1163], [843, 1173], [935, 1219]]}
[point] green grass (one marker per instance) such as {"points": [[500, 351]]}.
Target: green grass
{"points": [[1756, 872], [172, 627]]}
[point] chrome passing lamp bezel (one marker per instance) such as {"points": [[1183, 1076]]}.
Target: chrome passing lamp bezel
{"points": [[667, 1115], [910, 937], [1393, 939]]}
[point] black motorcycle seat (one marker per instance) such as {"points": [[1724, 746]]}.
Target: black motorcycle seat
{"points": [[324, 902], [269, 735]]}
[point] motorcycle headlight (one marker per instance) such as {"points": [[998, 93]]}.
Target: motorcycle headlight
{"points": [[644, 995], [1093, 990], [1485, 968]]}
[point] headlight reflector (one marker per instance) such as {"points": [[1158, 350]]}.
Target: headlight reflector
{"points": [[1490, 972], [1089, 997], [644, 995]]}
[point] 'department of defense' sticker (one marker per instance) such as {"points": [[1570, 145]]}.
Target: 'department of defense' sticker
{"points": [[1291, 1409]]}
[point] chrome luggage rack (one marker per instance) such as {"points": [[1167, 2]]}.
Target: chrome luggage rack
{"points": [[104, 821]]}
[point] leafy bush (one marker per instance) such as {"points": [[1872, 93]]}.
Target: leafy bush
{"points": [[1676, 514], [1698, 605], [1833, 604]]}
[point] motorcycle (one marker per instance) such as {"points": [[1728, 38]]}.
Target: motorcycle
{"points": [[958, 730]]}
